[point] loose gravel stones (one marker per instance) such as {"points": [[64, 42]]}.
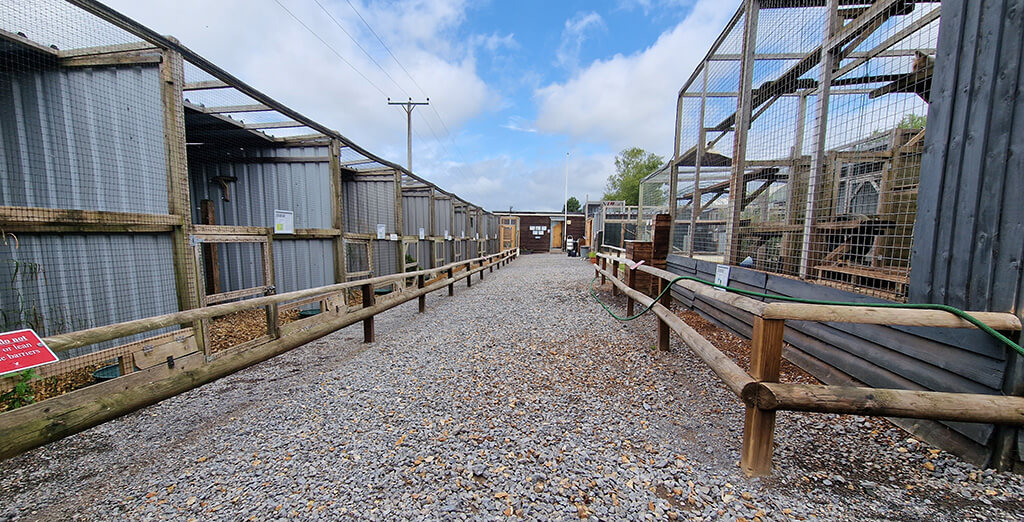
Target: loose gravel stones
{"points": [[520, 397]]}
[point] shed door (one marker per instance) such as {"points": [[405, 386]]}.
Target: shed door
{"points": [[509, 236], [556, 234]]}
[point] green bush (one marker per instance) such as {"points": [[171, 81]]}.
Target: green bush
{"points": [[21, 394]]}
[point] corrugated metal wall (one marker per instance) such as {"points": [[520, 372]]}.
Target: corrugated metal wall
{"points": [[914, 358], [443, 217], [424, 253], [241, 265], [416, 214], [298, 264], [303, 188], [305, 263], [85, 139], [492, 226], [449, 252], [969, 236], [89, 139], [459, 223], [385, 260], [472, 224], [368, 203], [78, 281]]}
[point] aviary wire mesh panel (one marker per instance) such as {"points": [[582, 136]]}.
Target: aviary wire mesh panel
{"points": [[804, 162], [654, 194], [93, 182]]}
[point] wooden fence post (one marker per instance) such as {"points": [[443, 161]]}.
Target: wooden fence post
{"points": [[451, 286], [269, 278], [631, 283], [615, 274], [604, 266], [481, 270], [664, 333], [368, 301], [1005, 437], [422, 298], [759, 425], [469, 274]]}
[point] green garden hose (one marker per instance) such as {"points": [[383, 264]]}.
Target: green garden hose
{"points": [[911, 306]]}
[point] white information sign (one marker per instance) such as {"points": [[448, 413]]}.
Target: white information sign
{"points": [[394, 237], [722, 276], [284, 222], [382, 230], [423, 234]]}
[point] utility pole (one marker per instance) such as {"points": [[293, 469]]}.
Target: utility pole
{"points": [[409, 106], [565, 207]]}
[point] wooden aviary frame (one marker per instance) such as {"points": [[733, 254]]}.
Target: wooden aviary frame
{"points": [[207, 235]]}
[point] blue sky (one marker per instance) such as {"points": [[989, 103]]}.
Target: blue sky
{"points": [[513, 85]]}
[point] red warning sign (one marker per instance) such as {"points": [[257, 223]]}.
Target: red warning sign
{"points": [[21, 350]]}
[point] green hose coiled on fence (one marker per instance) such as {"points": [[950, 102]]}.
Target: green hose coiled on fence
{"points": [[944, 308]]}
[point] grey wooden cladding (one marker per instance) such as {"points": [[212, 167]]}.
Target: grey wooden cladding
{"points": [[969, 241], [904, 357], [969, 238]]}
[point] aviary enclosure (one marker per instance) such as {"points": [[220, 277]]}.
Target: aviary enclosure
{"points": [[138, 179], [853, 151], [849, 124]]}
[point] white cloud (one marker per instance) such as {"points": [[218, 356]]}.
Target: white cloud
{"points": [[260, 43], [493, 42], [573, 36], [503, 181], [518, 123], [630, 100]]}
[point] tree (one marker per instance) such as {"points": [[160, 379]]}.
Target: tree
{"points": [[913, 121], [631, 166], [573, 204]]}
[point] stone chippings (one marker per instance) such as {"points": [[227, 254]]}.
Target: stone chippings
{"points": [[518, 398]]}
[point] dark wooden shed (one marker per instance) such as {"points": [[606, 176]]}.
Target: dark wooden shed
{"points": [[536, 228]]}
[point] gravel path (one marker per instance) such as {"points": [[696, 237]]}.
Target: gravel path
{"points": [[497, 403]]}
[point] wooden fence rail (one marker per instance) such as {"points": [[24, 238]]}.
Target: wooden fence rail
{"points": [[764, 395], [115, 331], [46, 421]]}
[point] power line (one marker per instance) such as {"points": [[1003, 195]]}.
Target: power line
{"points": [[437, 113], [430, 127], [335, 51], [393, 57], [368, 80], [368, 55], [386, 48]]}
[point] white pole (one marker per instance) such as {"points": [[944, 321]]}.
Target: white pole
{"points": [[565, 209]]}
